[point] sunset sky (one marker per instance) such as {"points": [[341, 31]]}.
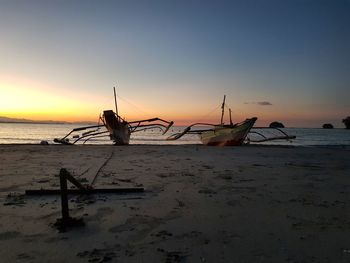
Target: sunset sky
{"points": [[277, 60]]}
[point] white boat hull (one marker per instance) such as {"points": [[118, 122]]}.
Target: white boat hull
{"points": [[227, 135]]}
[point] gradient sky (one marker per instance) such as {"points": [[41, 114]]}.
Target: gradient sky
{"points": [[276, 60]]}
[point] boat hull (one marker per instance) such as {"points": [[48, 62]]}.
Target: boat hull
{"points": [[120, 136], [119, 131], [228, 135]]}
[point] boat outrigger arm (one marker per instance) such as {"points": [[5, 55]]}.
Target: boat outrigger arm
{"points": [[188, 130], [92, 131], [141, 127], [264, 138]]}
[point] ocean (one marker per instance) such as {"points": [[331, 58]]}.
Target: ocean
{"points": [[23, 133]]}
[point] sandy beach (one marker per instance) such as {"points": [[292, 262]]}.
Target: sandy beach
{"points": [[201, 204]]}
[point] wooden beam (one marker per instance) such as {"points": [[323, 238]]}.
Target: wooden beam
{"points": [[89, 191]]}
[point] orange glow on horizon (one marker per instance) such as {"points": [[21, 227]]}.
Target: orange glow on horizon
{"points": [[26, 99]]}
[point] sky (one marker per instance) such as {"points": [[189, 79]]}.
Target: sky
{"points": [[276, 60]]}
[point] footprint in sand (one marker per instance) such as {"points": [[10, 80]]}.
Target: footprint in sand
{"points": [[102, 212], [97, 255], [25, 256], [207, 191], [163, 234], [173, 256], [9, 235], [225, 177], [15, 199], [209, 167]]}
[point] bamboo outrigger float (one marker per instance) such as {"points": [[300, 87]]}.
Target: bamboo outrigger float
{"points": [[227, 134], [114, 126]]}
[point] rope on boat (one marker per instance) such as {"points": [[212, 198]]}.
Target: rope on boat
{"points": [[103, 165], [134, 106], [208, 114]]}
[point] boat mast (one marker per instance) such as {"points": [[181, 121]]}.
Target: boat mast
{"points": [[223, 110], [115, 102], [231, 123]]}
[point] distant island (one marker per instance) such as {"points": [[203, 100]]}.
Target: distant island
{"points": [[276, 124], [15, 120], [327, 126], [346, 122]]}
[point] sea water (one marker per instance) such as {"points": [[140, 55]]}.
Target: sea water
{"points": [[28, 133], [23, 133]]}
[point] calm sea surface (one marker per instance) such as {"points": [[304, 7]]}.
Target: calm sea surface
{"points": [[19, 133]]}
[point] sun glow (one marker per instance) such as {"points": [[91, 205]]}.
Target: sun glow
{"points": [[28, 99], [25, 99]]}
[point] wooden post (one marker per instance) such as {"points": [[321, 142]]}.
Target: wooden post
{"points": [[66, 220], [64, 194], [231, 123], [223, 111], [115, 102]]}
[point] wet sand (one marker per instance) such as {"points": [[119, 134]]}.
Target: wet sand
{"points": [[201, 204]]}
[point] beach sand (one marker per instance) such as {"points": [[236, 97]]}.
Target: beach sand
{"points": [[201, 204]]}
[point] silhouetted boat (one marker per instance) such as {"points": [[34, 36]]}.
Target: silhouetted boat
{"points": [[232, 134], [220, 134], [114, 126]]}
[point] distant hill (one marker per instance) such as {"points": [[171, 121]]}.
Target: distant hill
{"points": [[6, 119], [276, 124], [15, 120]]}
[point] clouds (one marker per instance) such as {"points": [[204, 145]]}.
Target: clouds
{"points": [[264, 103], [261, 103]]}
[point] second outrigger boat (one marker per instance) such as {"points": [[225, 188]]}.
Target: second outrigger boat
{"points": [[227, 134], [114, 126], [220, 134]]}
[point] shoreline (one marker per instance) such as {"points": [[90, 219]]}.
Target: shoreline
{"points": [[201, 204], [177, 126], [330, 146]]}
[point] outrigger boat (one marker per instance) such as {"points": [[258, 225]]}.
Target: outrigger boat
{"points": [[114, 126], [220, 134], [227, 134]]}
